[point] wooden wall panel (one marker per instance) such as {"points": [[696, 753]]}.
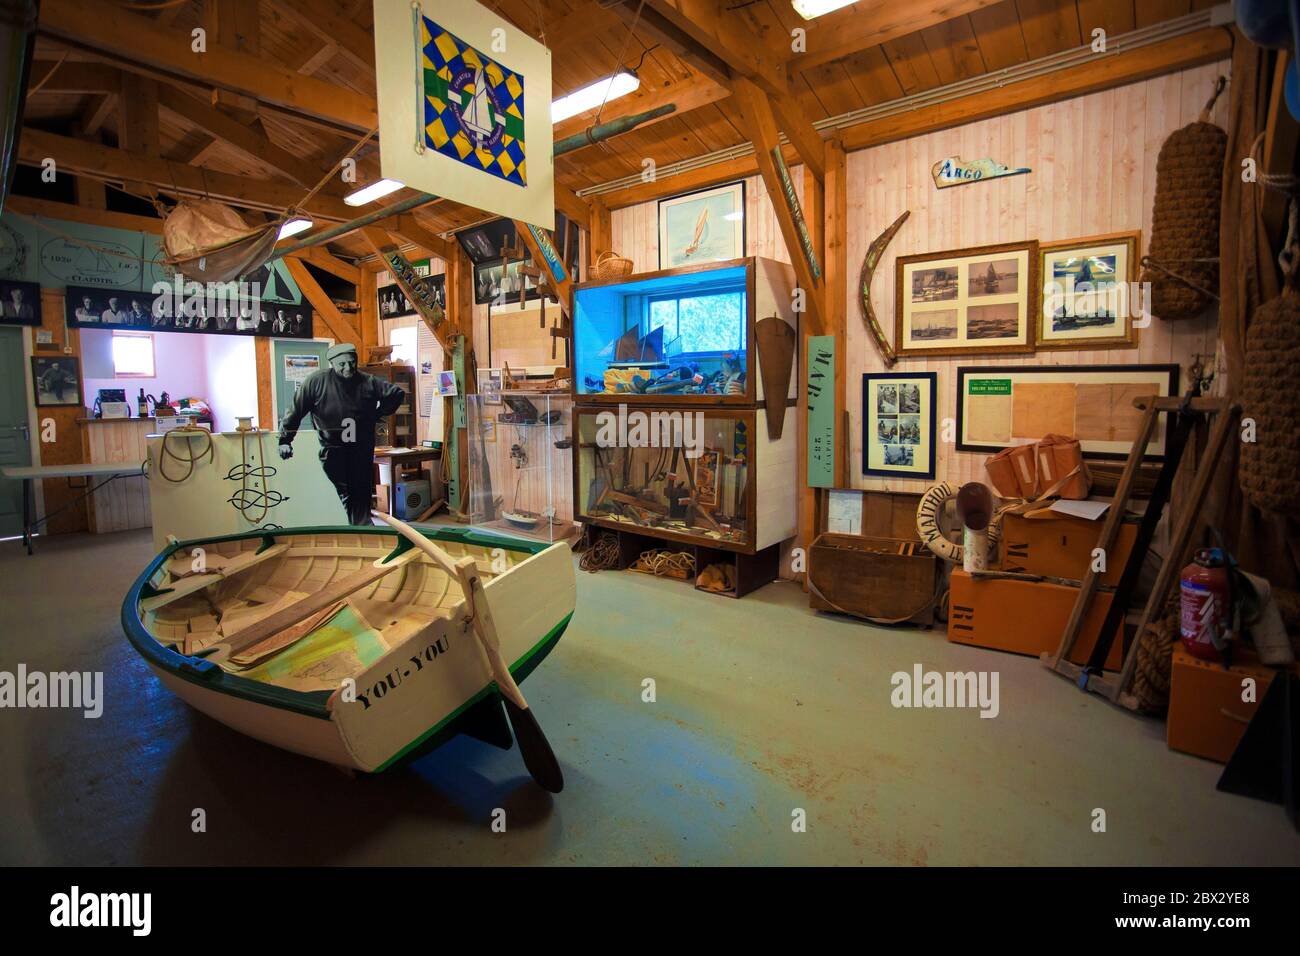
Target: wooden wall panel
{"points": [[1093, 160]]}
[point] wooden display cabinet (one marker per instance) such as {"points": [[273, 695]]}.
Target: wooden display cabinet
{"points": [[399, 429], [738, 495]]}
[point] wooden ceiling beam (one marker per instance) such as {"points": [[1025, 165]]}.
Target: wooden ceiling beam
{"points": [[686, 95], [154, 49], [97, 112], [725, 34], [72, 76], [654, 25], [864, 25], [104, 162], [354, 43], [339, 327], [322, 259]]}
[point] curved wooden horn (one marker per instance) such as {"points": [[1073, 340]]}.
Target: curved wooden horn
{"points": [[874, 252]]}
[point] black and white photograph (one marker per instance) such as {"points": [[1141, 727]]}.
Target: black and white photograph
{"points": [[111, 308], [56, 380], [20, 303], [495, 285], [393, 303], [887, 400]]}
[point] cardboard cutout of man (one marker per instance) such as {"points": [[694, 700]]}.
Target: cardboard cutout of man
{"points": [[344, 404]]}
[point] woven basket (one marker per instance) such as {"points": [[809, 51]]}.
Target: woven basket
{"points": [[1270, 465], [610, 265], [1185, 221]]}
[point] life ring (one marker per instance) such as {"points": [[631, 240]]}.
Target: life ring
{"points": [[927, 523]]}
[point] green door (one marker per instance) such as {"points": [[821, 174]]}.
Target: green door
{"points": [[14, 446], [291, 361]]}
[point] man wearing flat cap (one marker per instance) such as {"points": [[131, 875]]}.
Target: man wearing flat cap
{"points": [[344, 404]]}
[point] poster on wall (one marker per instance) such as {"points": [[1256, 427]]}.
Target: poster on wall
{"points": [[298, 367], [1003, 406], [968, 301], [1088, 300], [898, 424], [393, 303], [819, 385], [213, 314], [20, 303], [703, 226], [467, 94]]}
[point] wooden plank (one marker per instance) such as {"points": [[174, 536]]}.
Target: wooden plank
{"points": [[336, 591], [354, 43], [197, 582], [159, 50], [339, 327]]}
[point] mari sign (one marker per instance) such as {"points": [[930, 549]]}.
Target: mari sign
{"points": [[465, 108], [955, 171]]}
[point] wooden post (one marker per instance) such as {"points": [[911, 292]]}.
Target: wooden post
{"points": [[835, 243]]}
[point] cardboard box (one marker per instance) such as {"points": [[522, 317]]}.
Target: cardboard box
{"points": [[1207, 716], [1061, 546], [1024, 617]]}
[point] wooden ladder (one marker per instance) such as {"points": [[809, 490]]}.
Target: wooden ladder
{"points": [[1090, 676]]}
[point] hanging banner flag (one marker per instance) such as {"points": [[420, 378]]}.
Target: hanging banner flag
{"points": [[820, 385], [465, 107]]}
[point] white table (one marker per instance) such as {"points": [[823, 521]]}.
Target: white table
{"points": [[29, 473]]}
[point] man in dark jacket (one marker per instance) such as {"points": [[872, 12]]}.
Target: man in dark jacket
{"points": [[344, 404]]}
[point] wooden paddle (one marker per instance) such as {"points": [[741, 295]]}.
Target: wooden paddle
{"points": [[538, 756]]}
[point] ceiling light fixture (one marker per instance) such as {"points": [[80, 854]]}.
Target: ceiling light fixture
{"points": [[591, 96], [372, 192], [294, 226], [811, 9]]}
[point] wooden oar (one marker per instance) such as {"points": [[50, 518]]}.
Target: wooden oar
{"points": [[538, 756]]}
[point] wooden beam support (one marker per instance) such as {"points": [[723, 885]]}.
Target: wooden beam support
{"points": [[328, 26], [243, 138], [321, 259], [104, 162], [600, 236], [411, 230], [864, 25], [727, 35], [808, 143], [760, 125], [138, 127], [564, 290], [567, 201], [74, 76], [97, 112], [339, 327], [835, 243], [160, 50], [382, 244]]}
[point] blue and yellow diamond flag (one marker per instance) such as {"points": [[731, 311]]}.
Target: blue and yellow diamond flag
{"points": [[473, 106]]}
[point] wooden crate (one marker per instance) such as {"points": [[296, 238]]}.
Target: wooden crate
{"points": [[1023, 617], [1207, 716], [1062, 546], [886, 578]]}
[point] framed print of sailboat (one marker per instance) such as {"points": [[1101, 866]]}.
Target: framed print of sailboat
{"points": [[704, 226]]}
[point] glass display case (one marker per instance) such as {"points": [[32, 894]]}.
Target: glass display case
{"points": [[520, 463], [711, 478], [679, 335]]}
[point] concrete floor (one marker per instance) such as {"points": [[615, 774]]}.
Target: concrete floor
{"points": [[763, 707]]}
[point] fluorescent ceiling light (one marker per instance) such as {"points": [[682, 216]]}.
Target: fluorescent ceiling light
{"points": [[589, 97], [294, 226], [811, 9], [372, 192]]}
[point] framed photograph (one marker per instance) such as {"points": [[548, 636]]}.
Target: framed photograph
{"points": [[56, 380], [489, 385], [447, 384], [998, 407], [20, 303], [495, 285], [1089, 300], [707, 472], [898, 424], [393, 303], [704, 226], [967, 302], [215, 314]]}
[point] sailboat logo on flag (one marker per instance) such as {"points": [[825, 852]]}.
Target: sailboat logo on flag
{"points": [[473, 106]]}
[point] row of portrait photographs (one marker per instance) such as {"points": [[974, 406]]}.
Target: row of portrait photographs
{"points": [[903, 398], [112, 309], [393, 303]]}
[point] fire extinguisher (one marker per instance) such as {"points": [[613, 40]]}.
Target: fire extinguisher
{"points": [[1206, 604]]}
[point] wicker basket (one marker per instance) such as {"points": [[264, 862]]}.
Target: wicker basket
{"points": [[610, 265]]}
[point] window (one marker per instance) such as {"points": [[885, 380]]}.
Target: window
{"points": [[133, 355], [403, 343], [704, 322]]}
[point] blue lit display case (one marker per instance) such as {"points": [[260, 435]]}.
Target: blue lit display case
{"points": [[678, 336]]}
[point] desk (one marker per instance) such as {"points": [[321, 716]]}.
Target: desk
{"points": [[29, 473], [398, 458]]}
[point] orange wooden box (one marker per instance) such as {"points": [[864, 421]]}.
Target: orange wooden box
{"points": [[1207, 716], [1061, 547], [1023, 617]]}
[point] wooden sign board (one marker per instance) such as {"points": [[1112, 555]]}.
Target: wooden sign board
{"points": [[955, 171], [820, 385]]}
